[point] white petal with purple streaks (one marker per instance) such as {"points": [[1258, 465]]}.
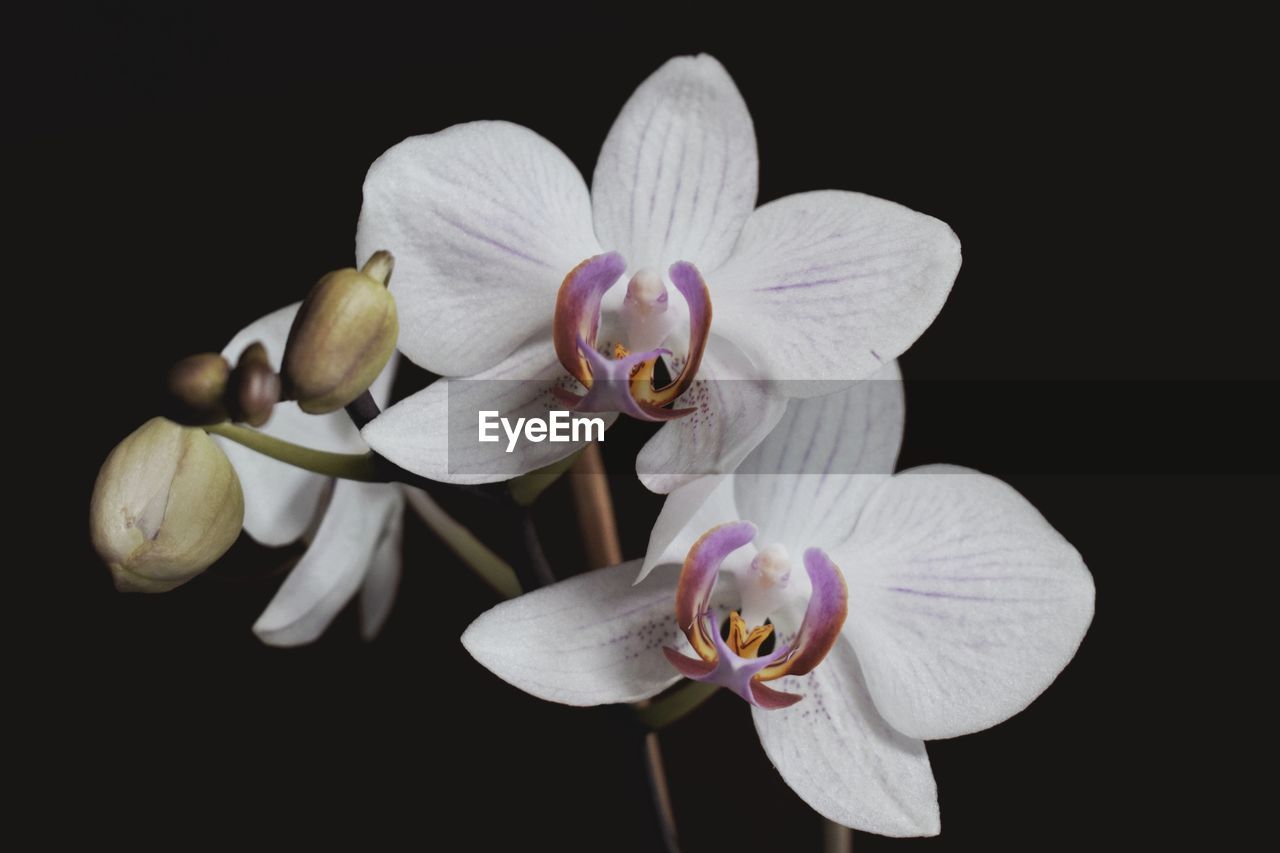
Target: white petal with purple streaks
{"points": [[964, 603], [590, 640], [843, 759], [833, 285], [676, 177], [485, 220], [806, 483]]}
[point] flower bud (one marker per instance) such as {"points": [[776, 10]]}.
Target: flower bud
{"points": [[166, 505], [197, 386], [342, 338], [254, 388]]}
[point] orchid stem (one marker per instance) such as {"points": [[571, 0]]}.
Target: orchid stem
{"points": [[660, 790], [363, 409], [348, 466], [600, 538], [663, 711], [490, 568], [542, 574], [595, 509], [836, 838]]}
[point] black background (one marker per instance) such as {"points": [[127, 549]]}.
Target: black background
{"points": [[176, 173]]}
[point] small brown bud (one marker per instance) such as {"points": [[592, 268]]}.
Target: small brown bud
{"points": [[342, 338], [197, 386], [254, 388]]}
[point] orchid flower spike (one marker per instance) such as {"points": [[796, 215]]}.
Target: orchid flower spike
{"points": [[927, 604], [353, 529], [528, 292]]}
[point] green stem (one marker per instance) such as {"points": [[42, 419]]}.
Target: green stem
{"points": [[491, 568], [666, 709], [348, 466]]}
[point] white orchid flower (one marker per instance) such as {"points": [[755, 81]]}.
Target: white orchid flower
{"points": [[507, 266], [353, 528], [932, 603]]}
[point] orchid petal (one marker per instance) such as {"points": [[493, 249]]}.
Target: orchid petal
{"points": [[686, 514], [332, 568], [823, 617], [483, 219], [281, 501], [593, 639], [808, 480], [577, 315], [378, 592], [434, 433], [843, 759], [833, 285], [965, 603], [676, 177], [698, 579], [733, 413]]}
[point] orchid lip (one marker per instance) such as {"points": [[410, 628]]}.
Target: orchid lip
{"points": [[736, 663], [625, 383]]}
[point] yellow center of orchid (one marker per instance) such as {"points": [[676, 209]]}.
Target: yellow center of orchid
{"points": [[744, 643]]}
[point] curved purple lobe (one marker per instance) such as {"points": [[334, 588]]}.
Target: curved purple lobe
{"points": [[610, 387], [693, 288], [578, 309], [698, 578], [689, 667], [766, 697], [823, 617]]}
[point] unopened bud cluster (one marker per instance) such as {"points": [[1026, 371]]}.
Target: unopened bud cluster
{"points": [[205, 389], [167, 502]]}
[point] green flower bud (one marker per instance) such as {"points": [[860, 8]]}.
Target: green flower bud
{"points": [[197, 385], [254, 388], [166, 505], [342, 338]]}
